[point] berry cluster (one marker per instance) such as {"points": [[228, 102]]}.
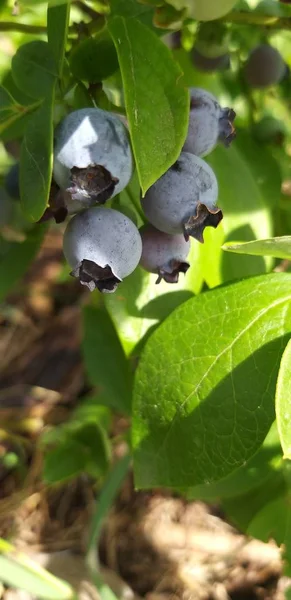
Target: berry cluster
{"points": [[93, 163]]}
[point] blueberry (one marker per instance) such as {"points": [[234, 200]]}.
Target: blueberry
{"points": [[208, 123], [209, 64], [102, 246], [11, 182], [210, 52], [264, 67], [6, 208], [92, 157], [183, 199], [164, 254]]}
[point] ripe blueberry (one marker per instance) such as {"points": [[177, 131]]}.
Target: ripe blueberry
{"points": [[102, 246], [208, 123], [164, 254], [265, 67], [183, 199], [11, 182], [92, 157]]}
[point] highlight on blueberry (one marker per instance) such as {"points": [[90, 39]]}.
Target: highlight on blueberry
{"points": [[102, 246], [164, 254], [92, 157], [183, 200], [209, 123]]}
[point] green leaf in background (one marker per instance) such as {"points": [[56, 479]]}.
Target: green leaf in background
{"points": [[82, 449], [16, 569], [263, 166], [141, 304], [278, 247], [94, 59], [36, 160], [133, 9], [7, 104], [206, 383], [246, 216], [58, 16], [283, 401], [271, 521], [157, 113], [34, 69], [16, 261], [105, 361]]}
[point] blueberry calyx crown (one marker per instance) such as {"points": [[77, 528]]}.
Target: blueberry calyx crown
{"points": [[170, 273], [93, 182], [227, 132], [204, 217], [94, 276]]}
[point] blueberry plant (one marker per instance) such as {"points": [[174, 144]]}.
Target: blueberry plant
{"points": [[156, 135]]}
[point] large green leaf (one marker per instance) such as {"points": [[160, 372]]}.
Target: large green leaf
{"points": [[105, 360], [278, 247], [34, 69], [57, 28], [16, 261], [206, 383], [36, 159], [157, 113], [17, 570], [246, 217], [283, 401], [94, 59]]}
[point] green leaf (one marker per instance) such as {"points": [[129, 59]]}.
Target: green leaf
{"points": [[245, 217], [83, 448], [157, 113], [16, 261], [58, 16], [7, 104], [105, 360], [283, 398], [206, 383], [264, 167], [271, 521], [34, 69], [106, 498], [36, 160], [17, 569], [251, 475], [68, 460], [94, 59], [278, 247], [133, 9]]}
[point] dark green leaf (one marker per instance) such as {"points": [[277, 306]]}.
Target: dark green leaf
{"points": [[36, 160], [157, 113], [94, 59], [283, 395], [279, 247], [57, 28], [94, 439], [133, 9], [34, 69], [8, 106], [105, 360], [19, 96], [16, 261], [271, 521], [206, 383]]}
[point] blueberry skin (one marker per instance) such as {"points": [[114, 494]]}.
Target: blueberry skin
{"points": [[11, 182], [265, 67], [105, 237], [174, 198], [91, 136], [164, 254], [6, 208], [208, 123]]}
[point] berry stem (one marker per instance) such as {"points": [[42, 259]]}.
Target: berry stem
{"points": [[260, 19]]}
